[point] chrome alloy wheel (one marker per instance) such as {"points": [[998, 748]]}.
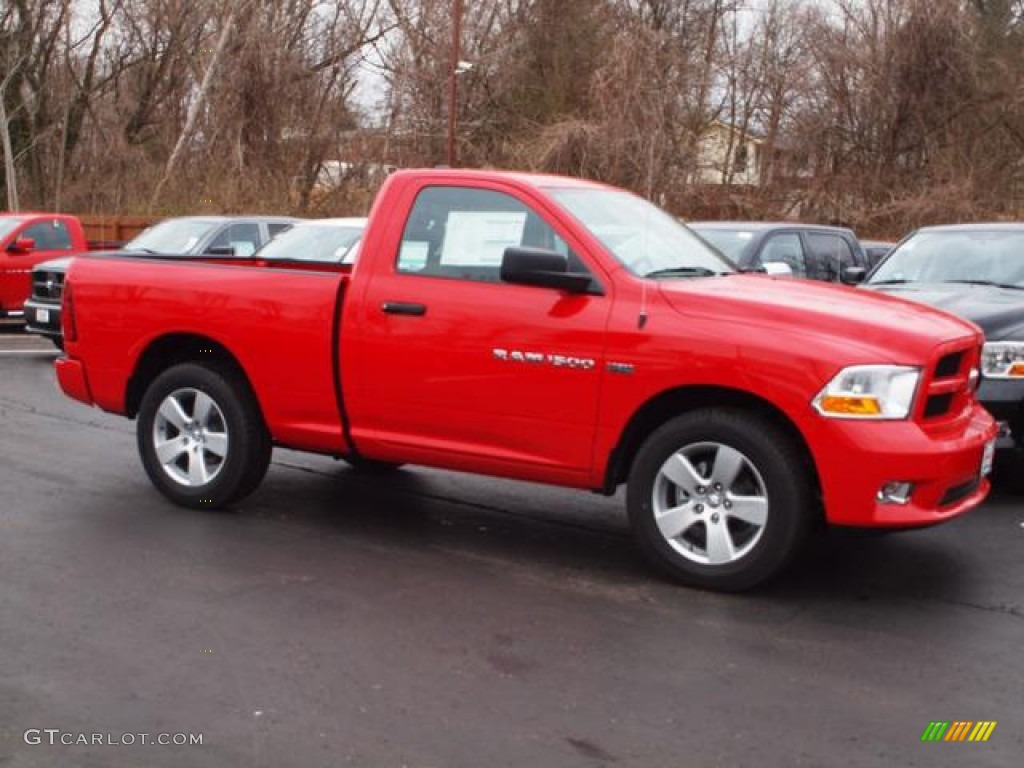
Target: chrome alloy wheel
{"points": [[190, 437], [710, 503]]}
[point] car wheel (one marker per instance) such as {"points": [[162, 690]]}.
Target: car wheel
{"points": [[201, 436], [720, 499]]}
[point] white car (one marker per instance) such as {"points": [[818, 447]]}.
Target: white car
{"points": [[331, 241]]}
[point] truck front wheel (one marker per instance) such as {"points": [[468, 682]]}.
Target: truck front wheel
{"points": [[720, 498], [201, 436]]}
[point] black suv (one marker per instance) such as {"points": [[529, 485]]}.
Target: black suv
{"points": [[811, 251], [975, 271]]}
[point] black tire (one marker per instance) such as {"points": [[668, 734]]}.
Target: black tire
{"points": [[715, 548], [370, 466], [236, 428]]}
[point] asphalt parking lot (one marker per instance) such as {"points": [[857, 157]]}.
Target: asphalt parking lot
{"points": [[434, 619]]}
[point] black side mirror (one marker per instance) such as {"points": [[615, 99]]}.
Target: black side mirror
{"points": [[221, 250], [544, 268], [853, 275]]}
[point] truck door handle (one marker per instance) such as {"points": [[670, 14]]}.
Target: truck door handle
{"points": [[403, 308]]}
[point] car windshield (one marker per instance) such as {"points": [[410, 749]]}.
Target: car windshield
{"points": [[645, 239], [8, 225], [973, 256], [731, 242], [313, 242], [172, 236]]}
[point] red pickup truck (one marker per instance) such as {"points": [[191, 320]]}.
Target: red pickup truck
{"points": [[27, 239], [552, 330]]}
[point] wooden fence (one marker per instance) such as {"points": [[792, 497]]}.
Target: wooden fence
{"points": [[114, 227]]}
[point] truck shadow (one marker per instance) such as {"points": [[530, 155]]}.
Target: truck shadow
{"points": [[533, 529], [414, 510]]}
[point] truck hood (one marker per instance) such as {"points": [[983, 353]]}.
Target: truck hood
{"points": [[999, 311], [61, 264], [882, 328], [53, 265]]}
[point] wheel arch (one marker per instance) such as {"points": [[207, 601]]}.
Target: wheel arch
{"points": [[666, 405], [173, 349]]}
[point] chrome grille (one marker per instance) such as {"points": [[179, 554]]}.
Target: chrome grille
{"points": [[48, 286]]}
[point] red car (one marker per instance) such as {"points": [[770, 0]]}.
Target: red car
{"points": [[553, 330]]}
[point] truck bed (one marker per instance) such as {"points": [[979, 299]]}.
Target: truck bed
{"points": [[133, 306]]}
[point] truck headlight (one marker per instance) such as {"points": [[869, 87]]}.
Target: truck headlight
{"points": [[1003, 360], [869, 392]]}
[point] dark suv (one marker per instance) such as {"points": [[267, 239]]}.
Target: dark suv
{"points": [[216, 237], [811, 251], [975, 271]]}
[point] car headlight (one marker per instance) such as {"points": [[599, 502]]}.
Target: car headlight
{"points": [[869, 392], [1003, 360]]}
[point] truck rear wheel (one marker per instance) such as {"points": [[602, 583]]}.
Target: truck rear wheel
{"points": [[720, 498], [201, 436]]}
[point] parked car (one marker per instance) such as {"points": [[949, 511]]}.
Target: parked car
{"points": [[321, 240], [27, 239], [214, 237], [831, 254], [975, 271], [876, 250], [553, 330]]}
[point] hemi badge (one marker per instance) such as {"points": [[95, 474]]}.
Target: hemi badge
{"points": [[623, 368]]}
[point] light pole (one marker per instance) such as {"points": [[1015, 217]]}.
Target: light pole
{"points": [[453, 67]]}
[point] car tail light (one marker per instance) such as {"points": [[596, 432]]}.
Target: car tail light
{"points": [[67, 319]]}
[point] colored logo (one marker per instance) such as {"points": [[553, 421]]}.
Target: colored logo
{"points": [[958, 730]]}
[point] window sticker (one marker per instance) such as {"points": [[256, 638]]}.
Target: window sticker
{"points": [[479, 238], [413, 256], [243, 248]]}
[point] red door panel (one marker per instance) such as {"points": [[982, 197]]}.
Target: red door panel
{"points": [[488, 371], [461, 368]]}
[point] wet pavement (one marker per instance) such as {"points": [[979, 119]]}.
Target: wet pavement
{"points": [[426, 618]]}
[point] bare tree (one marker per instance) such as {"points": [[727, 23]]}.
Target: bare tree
{"points": [[199, 100]]}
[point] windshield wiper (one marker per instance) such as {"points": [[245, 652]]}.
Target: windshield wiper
{"points": [[683, 272], [987, 282], [898, 281]]}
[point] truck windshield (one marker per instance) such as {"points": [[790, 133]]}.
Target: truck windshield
{"points": [[172, 236], [313, 241], [731, 242], [8, 225], [993, 257], [645, 240]]}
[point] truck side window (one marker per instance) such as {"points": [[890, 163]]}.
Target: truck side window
{"points": [[785, 249], [49, 235], [831, 252], [462, 233], [243, 237]]}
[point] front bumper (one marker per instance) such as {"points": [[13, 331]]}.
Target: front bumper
{"points": [[42, 318], [856, 458]]}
